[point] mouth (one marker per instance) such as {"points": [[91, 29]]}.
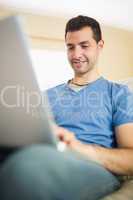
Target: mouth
{"points": [[78, 62]]}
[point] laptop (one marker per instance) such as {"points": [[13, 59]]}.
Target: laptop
{"points": [[24, 112]]}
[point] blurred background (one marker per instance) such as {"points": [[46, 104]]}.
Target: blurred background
{"points": [[44, 24]]}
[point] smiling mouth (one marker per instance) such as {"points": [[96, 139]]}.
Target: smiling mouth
{"points": [[78, 62]]}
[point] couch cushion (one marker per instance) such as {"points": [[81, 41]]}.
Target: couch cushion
{"points": [[124, 193]]}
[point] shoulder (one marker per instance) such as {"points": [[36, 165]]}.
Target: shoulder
{"points": [[55, 91], [116, 88], [114, 84], [121, 91], [119, 94]]}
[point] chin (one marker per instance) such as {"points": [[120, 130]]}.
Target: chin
{"points": [[80, 72]]}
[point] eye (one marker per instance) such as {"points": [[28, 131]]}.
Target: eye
{"points": [[70, 47], [84, 46]]}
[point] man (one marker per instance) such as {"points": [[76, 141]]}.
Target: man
{"points": [[96, 110], [97, 116]]}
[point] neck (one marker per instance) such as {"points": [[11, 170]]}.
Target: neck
{"points": [[86, 78]]}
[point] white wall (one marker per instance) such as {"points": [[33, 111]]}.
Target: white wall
{"points": [[51, 67]]}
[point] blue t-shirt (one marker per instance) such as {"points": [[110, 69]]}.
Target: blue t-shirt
{"points": [[94, 111]]}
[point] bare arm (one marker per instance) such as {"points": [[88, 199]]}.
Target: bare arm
{"points": [[118, 161]]}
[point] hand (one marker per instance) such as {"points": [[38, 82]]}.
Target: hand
{"points": [[67, 137], [86, 150]]}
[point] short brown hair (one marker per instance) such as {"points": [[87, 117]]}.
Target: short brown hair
{"points": [[80, 22]]}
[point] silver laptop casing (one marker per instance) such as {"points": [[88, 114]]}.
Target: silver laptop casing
{"points": [[23, 120]]}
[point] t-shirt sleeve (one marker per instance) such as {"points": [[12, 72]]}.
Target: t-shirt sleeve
{"points": [[122, 105]]}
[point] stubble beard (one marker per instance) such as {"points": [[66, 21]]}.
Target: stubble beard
{"points": [[88, 68]]}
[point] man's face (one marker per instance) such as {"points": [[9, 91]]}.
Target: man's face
{"points": [[82, 50]]}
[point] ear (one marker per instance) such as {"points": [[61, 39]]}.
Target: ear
{"points": [[100, 44]]}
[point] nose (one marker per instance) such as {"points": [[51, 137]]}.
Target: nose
{"points": [[77, 53]]}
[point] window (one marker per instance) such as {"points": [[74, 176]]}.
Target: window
{"points": [[51, 67]]}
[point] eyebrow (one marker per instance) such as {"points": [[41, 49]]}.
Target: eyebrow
{"points": [[81, 43]]}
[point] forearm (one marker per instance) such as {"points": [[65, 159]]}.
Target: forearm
{"points": [[118, 161]]}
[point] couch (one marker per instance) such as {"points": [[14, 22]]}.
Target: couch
{"points": [[124, 193]]}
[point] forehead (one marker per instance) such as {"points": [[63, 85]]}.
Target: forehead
{"points": [[84, 34]]}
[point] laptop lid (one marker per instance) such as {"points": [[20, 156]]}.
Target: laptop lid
{"points": [[24, 111]]}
